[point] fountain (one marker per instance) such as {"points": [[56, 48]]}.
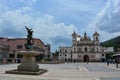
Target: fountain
{"points": [[28, 65]]}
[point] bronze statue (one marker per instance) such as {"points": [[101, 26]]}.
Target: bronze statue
{"points": [[29, 43]]}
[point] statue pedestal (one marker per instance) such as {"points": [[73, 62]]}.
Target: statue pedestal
{"points": [[28, 62]]}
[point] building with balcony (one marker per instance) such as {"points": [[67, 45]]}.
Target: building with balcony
{"points": [[17, 44]]}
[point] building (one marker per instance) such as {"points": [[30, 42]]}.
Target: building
{"points": [[4, 51], [47, 51], [17, 44], [82, 49], [109, 49]]}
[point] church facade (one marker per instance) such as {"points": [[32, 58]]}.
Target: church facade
{"points": [[83, 49]]}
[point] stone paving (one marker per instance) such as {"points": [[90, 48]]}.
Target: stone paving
{"points": [[66, 71]]}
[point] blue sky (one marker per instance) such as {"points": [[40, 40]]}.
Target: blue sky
{"points": [[53, 21]]}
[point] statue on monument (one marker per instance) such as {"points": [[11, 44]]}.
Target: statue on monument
{"points": [[29, 43]]}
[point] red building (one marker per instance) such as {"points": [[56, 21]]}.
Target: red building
{"points": [[17, 44]]}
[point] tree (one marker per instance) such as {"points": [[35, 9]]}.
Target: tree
{"points": [[40, 57], [109, 55]]}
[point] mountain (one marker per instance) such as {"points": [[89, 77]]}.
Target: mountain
{"points": [[115, 42]]}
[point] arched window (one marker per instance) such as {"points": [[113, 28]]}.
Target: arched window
{"points": [[85, 49], [74, 49], [65, 50], [96, 38], [60, 51]]}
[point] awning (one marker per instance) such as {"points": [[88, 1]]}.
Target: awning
{"points": [[116, 55]]}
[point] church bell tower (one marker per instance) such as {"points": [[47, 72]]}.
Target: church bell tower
{"points": [[96, 41]]}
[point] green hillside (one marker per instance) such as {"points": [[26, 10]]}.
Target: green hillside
{"points": [[115, 42]]}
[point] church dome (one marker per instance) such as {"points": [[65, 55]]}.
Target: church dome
{"points": [[74, 33], [96, 33]]}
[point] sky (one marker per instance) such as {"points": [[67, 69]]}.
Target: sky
{"points": [[53, 21]]}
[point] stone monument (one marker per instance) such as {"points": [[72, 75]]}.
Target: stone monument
{"points": [[28, 65]]}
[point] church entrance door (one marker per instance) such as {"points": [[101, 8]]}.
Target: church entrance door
{"points": [[86, 58]]}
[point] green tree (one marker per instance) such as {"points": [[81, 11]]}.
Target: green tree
{"points": [[40, 57], [109, 55]]}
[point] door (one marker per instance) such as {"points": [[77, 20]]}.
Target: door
{"points": [[86, 58]]}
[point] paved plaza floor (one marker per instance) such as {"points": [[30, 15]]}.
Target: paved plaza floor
{"points": [[66, 71]]}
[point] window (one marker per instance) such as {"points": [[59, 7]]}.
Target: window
{"points": [[11, 55], [65, 50], [102, 54], [19, 56], [74, 49], [19, 46], [60, 51], [71, 56], [85, 49], [96, 38]]}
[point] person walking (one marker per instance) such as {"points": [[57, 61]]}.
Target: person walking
{"points": [[108, 61], [117, 62]]}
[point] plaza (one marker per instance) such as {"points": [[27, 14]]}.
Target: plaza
{"points": [[66, 71]]}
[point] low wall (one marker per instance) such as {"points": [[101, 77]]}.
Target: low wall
{"points": [[51, 62]]}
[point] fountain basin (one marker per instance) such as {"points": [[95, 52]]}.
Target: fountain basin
{"points": [[28, 65]]}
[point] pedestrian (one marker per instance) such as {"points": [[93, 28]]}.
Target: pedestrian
{"points": [[107, 62], [116, 61]]}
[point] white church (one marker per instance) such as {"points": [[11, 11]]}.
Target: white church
{"points": [[82, 49]]}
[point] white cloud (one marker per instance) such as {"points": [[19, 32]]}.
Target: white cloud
{"points": [[107, 21], [80, 5], [56, 34], [12, 25], [109, 17]]}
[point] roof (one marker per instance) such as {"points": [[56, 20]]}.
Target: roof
{"points": [[13, 42]]}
